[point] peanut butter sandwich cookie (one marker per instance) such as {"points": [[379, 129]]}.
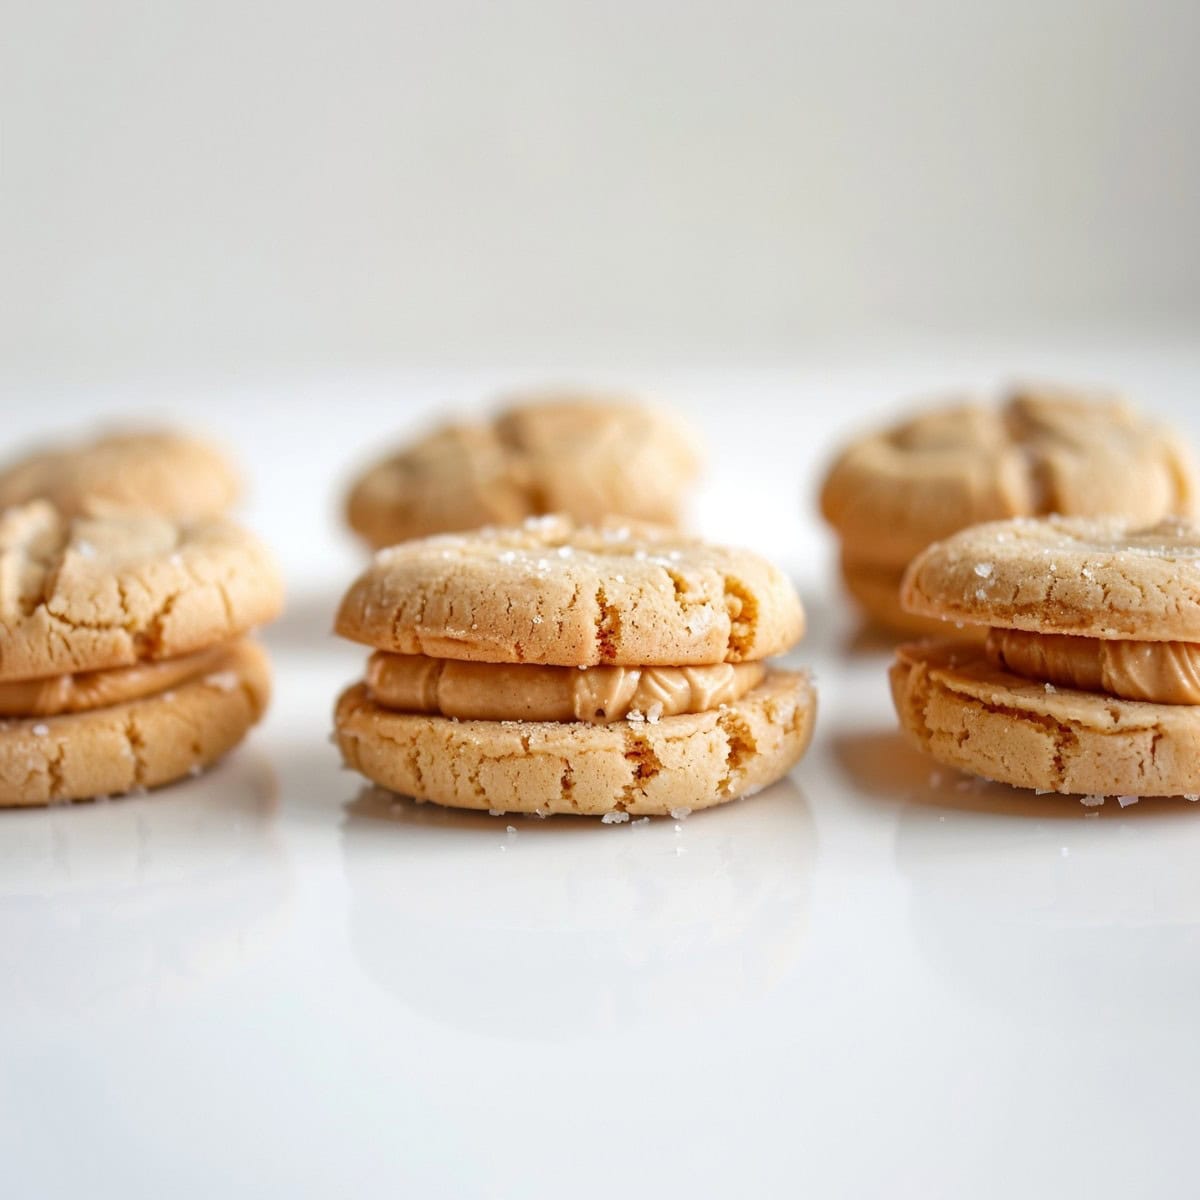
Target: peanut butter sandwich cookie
{"points": [[892, 493], [123, 657], [1089, 679], [589, 457], [556, 668], [160, 472]]}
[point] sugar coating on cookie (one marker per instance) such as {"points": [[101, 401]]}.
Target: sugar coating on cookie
{"points": [[157, 471], [551, 667], [92, 593], [558, 594], [586, 456], [1089, 678], [891, 493]]}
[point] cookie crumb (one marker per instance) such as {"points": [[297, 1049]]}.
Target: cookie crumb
{"points": [[614, 818], [226, 681]]}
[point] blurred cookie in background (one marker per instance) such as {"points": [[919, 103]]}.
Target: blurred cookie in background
{"points": [[588, 456], [157, 471], [1039, 452]]}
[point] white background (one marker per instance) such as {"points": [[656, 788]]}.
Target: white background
{"points": [[323, 183]]}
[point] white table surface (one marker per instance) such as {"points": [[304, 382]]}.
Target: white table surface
{"points": [[862, 982]]}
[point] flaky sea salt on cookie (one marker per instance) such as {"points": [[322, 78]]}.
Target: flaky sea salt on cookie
{"points": [[156, 471], [551, 667], [1089, 678], [123, 660], [588, 456], [892, 493]]}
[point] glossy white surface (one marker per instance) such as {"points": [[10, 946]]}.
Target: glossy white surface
{"points": [[866, 981]]}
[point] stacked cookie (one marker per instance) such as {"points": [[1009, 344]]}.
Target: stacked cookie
{"points": [[891, 494], [551, 667], [1089, 679], [159, 471], [123, 657], [589, 457]]}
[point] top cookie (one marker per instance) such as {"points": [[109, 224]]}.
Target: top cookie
{"points": [[891, 494], [558, 594], [1093, 578], [159, 472], [86, 594], [584, 456]]}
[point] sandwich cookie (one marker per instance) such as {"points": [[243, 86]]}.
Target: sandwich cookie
{"points": [[589, 457], [894, 492], [170, 474], [556, 668], [123, 657], [1088, 677]]}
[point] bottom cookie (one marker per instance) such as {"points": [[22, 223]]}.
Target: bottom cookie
{"points": [[968, 714], [141, 744], [641, 768]]}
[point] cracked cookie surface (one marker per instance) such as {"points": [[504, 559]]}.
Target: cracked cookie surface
{"points": [[558, 594], [92, 593], [161, 472], [640, 768], [589, 457], [140, 744], [1092, 578], [966, 713]]}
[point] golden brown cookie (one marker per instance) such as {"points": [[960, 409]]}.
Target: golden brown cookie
{"points": [[92, 593], [635, 767], [892, 493], [587, 456], [1090, 671], [173, 475], [1091, 578], [550, 667], [144, 743], [554, 593], [968, 714]]}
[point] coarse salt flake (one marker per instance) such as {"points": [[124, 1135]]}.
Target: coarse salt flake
{"points": [[1091, 801], [1126, 801], [680, 814], [226, 681], [614, 818], [40, 730], [984, 570]]}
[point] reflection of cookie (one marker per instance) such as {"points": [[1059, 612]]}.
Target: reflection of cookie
{"points": [[892, 493], [121, 662], [167, 473], [551, 595], [1089, 676], [585, 456]]}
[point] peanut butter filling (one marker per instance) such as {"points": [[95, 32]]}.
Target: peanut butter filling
{"points": [[598, 695], [1160, 672], [87, 690]]}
